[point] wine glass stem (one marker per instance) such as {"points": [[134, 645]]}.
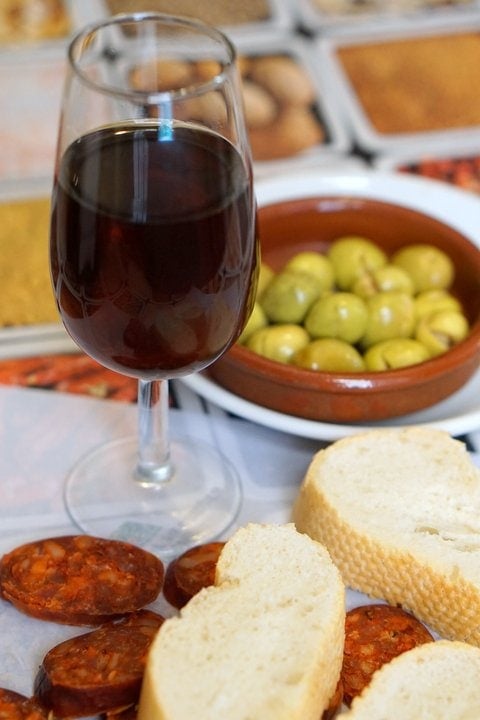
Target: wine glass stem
{"points": [[154, 465]]}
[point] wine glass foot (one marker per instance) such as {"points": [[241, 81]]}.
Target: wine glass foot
{"points": [[198, 504]]}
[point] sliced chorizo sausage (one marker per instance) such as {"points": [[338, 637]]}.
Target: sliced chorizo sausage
{"points": [[98, 671], [374, 635], [14, 706], [80, 579], [190, 572]]}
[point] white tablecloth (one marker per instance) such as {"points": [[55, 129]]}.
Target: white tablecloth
{"points": [[42, 434]]}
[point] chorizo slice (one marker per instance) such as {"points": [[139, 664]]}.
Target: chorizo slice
{"points": [[14, 706], [98, 671], [374, 635], [190, 572], [80, 579]]}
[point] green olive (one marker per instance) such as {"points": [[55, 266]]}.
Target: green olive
{"points": [[395, 353], [278, 342], [431, 301], [316, 264], [390, 315], [329, 355], [442, 330], [387, 278], [340, 315], [265, 275], [352, 257], [288, 297], [428, 266], [321, 312], [256, 321]]}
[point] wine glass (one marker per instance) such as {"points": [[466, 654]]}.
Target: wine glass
{"points": [[153, 256]]}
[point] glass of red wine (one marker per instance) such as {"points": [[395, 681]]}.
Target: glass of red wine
{"points": [[153, 256]]}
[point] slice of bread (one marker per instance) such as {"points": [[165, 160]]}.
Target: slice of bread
{"points": [[436, 681], [264, 643], [399, 512]]}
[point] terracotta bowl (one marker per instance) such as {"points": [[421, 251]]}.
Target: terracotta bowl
{"points": [[312, 223]]}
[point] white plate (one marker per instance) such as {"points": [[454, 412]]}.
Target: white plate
{"points": [[438, 199], [458, 414]]}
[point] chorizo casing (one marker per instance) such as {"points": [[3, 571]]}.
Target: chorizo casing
{"points": [[128, 713], [190, 572], [335, 703], [98, 671], [14, 706], [80, 579], [374, 635]]}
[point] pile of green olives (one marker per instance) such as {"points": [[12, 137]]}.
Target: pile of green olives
{"points": [[357, 309]]}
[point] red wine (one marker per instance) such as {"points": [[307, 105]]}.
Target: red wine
{"points": [[153, 250]]}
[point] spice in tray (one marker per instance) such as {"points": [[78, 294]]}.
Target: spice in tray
{"points": [[416, 84], [463, 172], [74, 373], [359, 7], [26, 293], [26, 20], [216, 12]]}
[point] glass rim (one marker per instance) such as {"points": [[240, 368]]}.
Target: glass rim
{"points": [[149, 97]]}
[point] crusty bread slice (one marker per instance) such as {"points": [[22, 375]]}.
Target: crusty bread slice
{"points": [[264, 643], [399, 512], [435, 681]]}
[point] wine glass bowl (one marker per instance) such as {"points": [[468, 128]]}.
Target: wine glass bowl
{"points": [[153, 253], [148, 308]]}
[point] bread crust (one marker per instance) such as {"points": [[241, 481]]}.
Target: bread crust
{"points": [[435, 681], [264, 643], [388, 568]]}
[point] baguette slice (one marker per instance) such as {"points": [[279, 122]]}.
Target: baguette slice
{"points": [[264, 643], [399, 512], [436, 681]]}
